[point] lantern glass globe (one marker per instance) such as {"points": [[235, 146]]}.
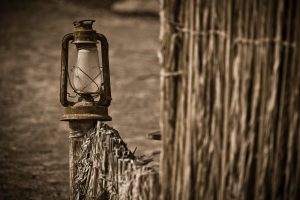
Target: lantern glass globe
{"points": [[87, 73]]}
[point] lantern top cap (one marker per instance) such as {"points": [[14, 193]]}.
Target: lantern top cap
{"points": [[86, 24], [83, 32]]}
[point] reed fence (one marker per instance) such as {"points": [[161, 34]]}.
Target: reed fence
{"points": [[230, 102]]}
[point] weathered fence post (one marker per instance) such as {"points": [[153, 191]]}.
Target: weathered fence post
{"points": [[103, 167], [74, 155], [230, 99], [76, 136]]}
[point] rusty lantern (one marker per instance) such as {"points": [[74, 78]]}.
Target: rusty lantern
{"points": [[88, 80]]}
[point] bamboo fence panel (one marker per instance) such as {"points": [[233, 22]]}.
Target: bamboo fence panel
{"points": [[230, 102], [104, 168]]}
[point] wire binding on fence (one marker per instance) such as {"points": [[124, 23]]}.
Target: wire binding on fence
{"points": [[164, 73], [239, 40]]}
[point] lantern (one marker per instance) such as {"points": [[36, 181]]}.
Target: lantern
{"points": [[88, 79]]}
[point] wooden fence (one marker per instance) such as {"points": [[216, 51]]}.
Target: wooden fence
{"points": [[230, 99], [102, 167]]}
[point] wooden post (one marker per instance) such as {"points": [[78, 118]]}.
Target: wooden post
{"points": [[74, 155], [230, 99], [102, 167], [79, 130]]}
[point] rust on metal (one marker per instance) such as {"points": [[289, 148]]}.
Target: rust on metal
{"points": [[86, 108], [84, 33]]}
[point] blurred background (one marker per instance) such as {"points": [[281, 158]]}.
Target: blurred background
{"points": [[33, 140]]}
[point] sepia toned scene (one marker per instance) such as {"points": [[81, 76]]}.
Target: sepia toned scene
{"points": [[150, 99]]}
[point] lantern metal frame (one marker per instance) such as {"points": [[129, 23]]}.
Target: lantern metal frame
{"points": [[86, 108]]}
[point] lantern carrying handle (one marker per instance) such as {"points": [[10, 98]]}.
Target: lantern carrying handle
{"points": [[64, 70], [105, 101]]}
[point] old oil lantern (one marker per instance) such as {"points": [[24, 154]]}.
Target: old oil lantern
{"points": [[89, 79]]}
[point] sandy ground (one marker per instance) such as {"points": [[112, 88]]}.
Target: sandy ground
{"points": [[33, 142]]}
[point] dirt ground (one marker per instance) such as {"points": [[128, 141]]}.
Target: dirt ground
{"points": [[33, 142]]}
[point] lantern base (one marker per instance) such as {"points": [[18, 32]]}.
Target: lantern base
{"points": [[86, 111]]}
